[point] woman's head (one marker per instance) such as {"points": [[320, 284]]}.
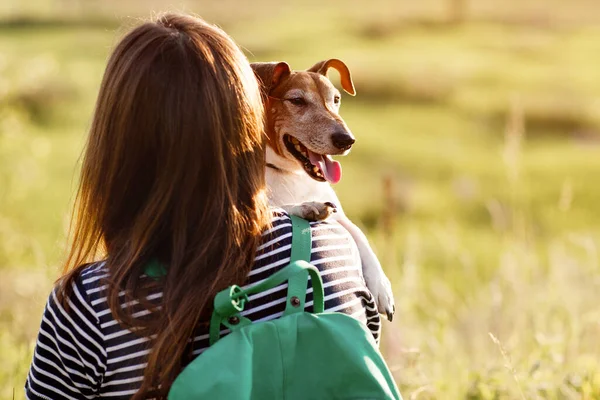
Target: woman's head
{"points": [[173, 170]]}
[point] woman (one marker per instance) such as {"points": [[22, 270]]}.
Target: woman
{"points": [[173, 177]]}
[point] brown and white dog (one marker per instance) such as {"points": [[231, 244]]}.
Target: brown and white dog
{"points": [[304, 130]]}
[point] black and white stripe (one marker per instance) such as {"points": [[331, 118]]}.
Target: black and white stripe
{"points": [[85, 353]]}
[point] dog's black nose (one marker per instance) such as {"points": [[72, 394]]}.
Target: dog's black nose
{"points": [[342, 140]]}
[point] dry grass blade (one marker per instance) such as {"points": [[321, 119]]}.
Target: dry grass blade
{"points": [[508, 364]]}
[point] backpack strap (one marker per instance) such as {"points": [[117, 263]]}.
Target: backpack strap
{"points": [[301, 239], [301, 251], [229, 303]]}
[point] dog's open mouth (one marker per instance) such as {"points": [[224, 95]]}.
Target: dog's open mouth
{"points": [[320, 167]]}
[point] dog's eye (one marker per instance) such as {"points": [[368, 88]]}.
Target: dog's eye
{"points": [[297, 101], [336, 100]]}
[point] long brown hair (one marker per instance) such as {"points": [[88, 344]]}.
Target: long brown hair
{"points": [[173, 170]]}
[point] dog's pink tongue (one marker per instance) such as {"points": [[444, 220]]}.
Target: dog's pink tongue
{"points": [[331, 169]]}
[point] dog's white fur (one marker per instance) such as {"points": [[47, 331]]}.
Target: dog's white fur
{"points": [[290, 185]]}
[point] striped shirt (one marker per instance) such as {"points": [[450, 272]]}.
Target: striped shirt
{"points": [[85, 353]]}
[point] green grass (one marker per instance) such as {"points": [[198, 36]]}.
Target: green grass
{"points": [[488, 131]]}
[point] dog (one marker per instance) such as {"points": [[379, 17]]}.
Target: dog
{"points": [[304, 129]]}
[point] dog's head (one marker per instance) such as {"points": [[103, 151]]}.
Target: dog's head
{"points": [[302, 112]]}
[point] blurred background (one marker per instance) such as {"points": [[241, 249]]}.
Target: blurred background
{"points": [[476, 171]]}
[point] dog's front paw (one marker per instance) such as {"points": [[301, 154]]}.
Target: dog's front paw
{"points": [[381, 289], [312, 210], [385, 299]]}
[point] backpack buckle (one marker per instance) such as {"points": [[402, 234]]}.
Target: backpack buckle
{"points": [[230, 301]]}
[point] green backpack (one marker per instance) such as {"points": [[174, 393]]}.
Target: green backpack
{"points": [[320, 355]]}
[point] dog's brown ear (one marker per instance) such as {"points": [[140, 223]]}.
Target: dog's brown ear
{"points": [[346, 79], [270, 74]]}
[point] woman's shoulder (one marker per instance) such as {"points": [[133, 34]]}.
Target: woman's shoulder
{"points": [[330, 242], [84, 291], [92, 272], [91, 277], [281, 227]]}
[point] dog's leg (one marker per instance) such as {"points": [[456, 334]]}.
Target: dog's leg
{"points": [[311, 210], [375, 278]]}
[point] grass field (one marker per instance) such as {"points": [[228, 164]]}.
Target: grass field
{"points": [[475, 173]]}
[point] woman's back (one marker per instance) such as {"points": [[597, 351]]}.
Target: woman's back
{"points": [[87, 352]]}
